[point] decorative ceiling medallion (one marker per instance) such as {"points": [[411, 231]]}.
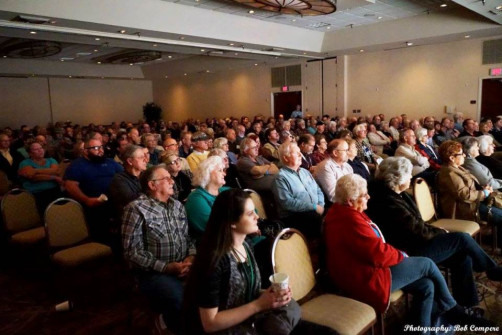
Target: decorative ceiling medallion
{"points": [[129, 57], [299, 7], [26, 49]]}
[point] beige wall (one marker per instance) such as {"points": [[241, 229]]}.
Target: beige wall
{"points": [[26, 101], [417, 81]]}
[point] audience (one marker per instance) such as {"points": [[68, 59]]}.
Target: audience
{"points": [[320, 154], [397, 215], [223, 290], [199, 154], [460, 194], [182, 182], [300, 200], [306, 143], [157, 245], [364, 267], [355, 163], [482, 173]]}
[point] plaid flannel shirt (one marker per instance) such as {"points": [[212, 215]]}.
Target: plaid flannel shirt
{"points": [[155, 234]]}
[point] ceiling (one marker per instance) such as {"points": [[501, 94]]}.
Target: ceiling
{"points": [[185, 34]]}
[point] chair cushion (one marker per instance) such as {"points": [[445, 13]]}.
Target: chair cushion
{"points": [[345, 315], [462, 226], [31, 236], [81, 254], [395, 295]]}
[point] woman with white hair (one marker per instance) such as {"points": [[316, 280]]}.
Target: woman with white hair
{"points": [[425, 149], [482, 173], [397, 215], [231, 176], [366, 268], [222, 143], [364, 151], [208, 179], [486, 157]]}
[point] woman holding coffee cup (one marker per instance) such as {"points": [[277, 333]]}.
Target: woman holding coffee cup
{"points": [[223, 290]]}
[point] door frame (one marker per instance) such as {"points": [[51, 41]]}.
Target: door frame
{"points": [[480, 93], [272, 99]]}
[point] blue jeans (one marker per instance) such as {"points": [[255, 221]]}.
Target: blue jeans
{"points": [[165, 293], [461, 254], [496, 217], [422, 278]]}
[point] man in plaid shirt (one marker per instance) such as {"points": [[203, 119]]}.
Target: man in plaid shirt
{"points": [[156, 243]]}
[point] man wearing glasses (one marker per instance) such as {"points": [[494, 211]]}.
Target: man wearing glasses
{"points": [[157, 245], [333, 168], [88, 179]]}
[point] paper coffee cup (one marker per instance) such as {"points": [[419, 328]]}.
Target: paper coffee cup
{"points": [[279, 281], [103, 198], [64, 306]]}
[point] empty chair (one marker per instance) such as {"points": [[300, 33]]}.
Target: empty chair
{"points": [[425, 205], [21, 219], [290, 255], [68, 235]]}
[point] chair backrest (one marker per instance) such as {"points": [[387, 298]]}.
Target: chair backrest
{"points": [[65, 223], [4, 183], [19, 211], [258, 203], [290, 255], [423, 199]]}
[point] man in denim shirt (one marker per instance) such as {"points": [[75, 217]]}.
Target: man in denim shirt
{"points": [[299, 199]]}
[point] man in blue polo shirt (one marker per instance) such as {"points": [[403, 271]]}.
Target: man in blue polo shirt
{"points": [[88, 179]]}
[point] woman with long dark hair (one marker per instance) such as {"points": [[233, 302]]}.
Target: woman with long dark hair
{"points": [[223, 290]]}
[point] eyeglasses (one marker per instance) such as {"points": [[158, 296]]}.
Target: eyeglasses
{"points": [[96, 147], [167, 178], [176, 161], [459, 154]]}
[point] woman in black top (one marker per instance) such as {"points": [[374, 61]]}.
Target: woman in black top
{"points": [[223, 291]]}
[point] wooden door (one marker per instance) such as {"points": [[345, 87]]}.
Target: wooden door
{"points": [[491, 97]]}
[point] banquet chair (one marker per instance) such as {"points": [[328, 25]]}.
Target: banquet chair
{"points": [[290, 255], [21, 219], [258, 203], [425, 205]]}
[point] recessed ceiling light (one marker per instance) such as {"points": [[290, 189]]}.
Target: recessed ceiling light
{"points": [[69, 76], [202, 50], [251, 12], [33, 32], [236, 53], [304, 53], [62, 60], [169, 56], [4, 56], [255, 64], [155, 45], [362, 50], [294, 20], [182, 37], [498, 8], [276, 57], [443, 5], [231, 44], [97, 39], [184, 74], [380, 17], [467, 36], [165, 76], [96, 50], [207, 71], [99, 62], [53, 22], [131, 63], [122, 31], [328, 27], [409, 44]]}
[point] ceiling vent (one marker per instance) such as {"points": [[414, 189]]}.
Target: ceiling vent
{"points": [[31, 19]]}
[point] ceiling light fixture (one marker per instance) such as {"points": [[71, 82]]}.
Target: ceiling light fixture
{"points": [[33, 32], [184, 74], [498, 8], [122, 31], [255, 64], [409, 44], [131, 63], [294, 20], [96, 50], [362, 50], [467, 36], [231, 44], [328, 27], [97, 39], [99, 62], [169, 56], [294, 7], [155, 45], [202, 50], [443, 5], [52, 22], [380, 17]]}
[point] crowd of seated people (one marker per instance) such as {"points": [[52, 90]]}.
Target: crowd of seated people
{"points": [[155, 186]]}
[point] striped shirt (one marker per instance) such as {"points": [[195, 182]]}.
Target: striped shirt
{"points": [[155, 234]]}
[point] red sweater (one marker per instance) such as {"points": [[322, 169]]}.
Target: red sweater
{"points": [[358, 260]]}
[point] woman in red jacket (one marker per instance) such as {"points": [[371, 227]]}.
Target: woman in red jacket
{"points": [[367, 269]]}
